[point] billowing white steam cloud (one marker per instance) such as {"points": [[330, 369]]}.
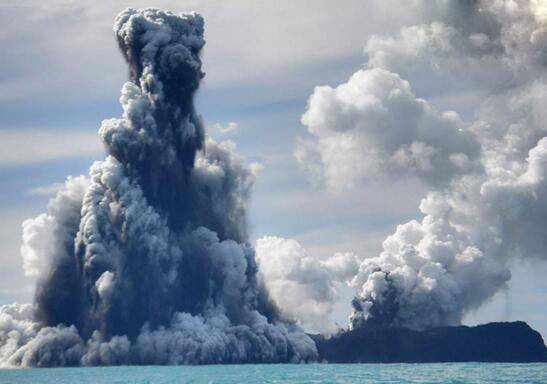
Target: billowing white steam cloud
{"points": [[303, 288], [488, 201], [146, 261], [374, 124]]}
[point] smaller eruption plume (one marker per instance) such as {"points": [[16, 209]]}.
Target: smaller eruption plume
{"points": [[488, 191]]}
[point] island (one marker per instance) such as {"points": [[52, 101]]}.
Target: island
{"points": [[492, 342]]}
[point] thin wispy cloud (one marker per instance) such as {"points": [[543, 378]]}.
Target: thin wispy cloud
{"points": [[36, 146], [224, 129], [45, 190]]}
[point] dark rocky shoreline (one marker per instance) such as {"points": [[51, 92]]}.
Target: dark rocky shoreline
{"points": [[493, 342]]}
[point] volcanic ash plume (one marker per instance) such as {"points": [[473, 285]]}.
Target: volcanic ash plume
{"points": [[488, 200], [145, 261]]}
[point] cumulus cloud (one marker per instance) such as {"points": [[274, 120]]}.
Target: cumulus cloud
{"points": [[304, 288], [374, 125], [146, 260]]}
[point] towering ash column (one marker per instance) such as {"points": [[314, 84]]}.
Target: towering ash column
{"points": [[160, 132], [147, 261]]}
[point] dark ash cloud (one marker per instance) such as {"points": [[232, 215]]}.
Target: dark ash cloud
{"points": [[146, 260]]}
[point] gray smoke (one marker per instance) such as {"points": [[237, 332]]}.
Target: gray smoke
{"points": [[146, 260], [488, 198]]}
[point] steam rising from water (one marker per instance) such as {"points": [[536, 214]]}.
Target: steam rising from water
{"points": [[146, 260], [488, 199]]}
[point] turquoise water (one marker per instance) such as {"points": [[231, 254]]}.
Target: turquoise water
{"points": [[312, 373]]}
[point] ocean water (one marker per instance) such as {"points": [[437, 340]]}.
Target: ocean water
{"points": [[285, 373]]}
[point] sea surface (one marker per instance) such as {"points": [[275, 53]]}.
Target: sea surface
{"points": [[285, 373]]}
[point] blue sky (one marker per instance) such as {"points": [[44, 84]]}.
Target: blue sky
{"points": [[61, 73]]}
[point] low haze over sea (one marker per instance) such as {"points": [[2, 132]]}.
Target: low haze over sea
{"points": [[480, 373]]}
